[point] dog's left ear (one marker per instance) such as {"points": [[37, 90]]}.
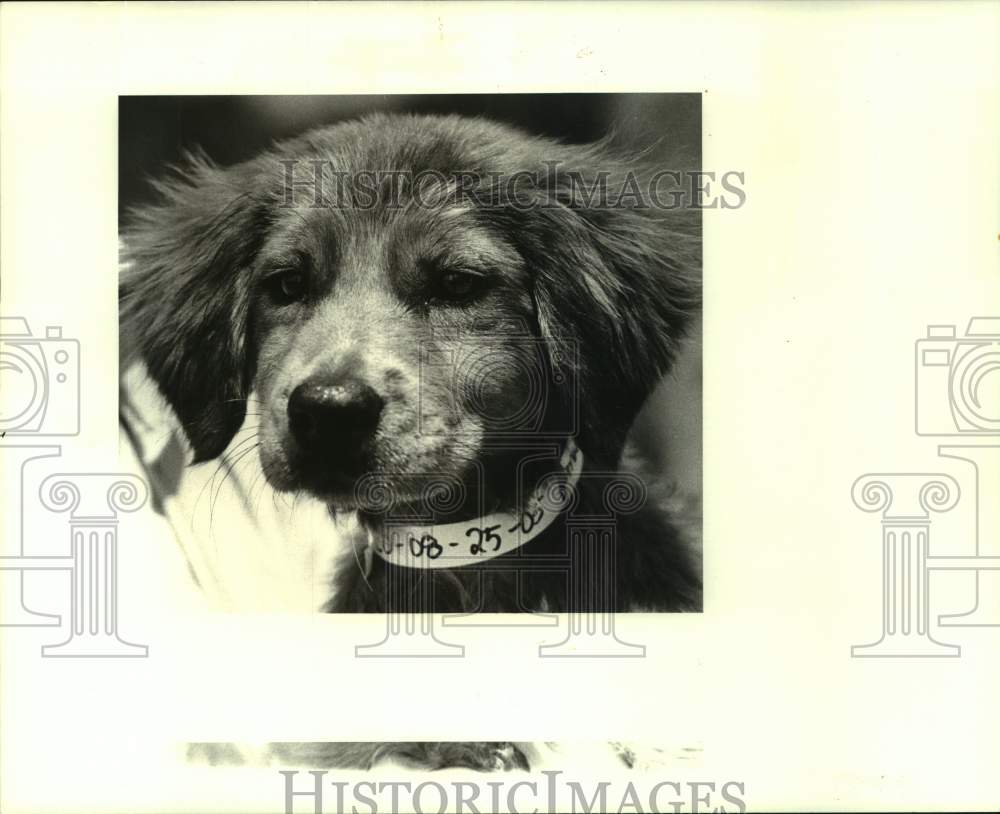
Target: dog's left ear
{"points": [[184, 296], [617, 274]]}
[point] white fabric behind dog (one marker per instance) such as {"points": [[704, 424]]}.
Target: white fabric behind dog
{"points": [[247, 548]]}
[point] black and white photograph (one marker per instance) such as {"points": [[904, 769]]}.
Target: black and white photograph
{"points": [[450, 323], [415, 355]]}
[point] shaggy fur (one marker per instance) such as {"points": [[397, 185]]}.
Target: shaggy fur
{"points": [[433, 755], [593, 298]]}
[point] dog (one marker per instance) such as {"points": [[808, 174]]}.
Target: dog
{"points": [[443, 326], [534, 756]]}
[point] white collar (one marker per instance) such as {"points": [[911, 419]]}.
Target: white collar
{"points": [[452, 545]]}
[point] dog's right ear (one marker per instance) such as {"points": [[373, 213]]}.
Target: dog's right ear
{"points": [[184, 295]]}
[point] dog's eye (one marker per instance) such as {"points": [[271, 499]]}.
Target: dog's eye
{"points": [[287, 286], [460, 285]]}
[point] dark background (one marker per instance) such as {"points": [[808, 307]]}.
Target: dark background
{"points": [[155, 130]]}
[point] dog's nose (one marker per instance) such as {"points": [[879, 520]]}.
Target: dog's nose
{"points": [[334, 416]]}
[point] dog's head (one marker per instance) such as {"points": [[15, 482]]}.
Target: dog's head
{"points": [[398, 291]]}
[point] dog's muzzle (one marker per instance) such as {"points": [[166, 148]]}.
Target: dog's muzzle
{"points": [[333, 421]]}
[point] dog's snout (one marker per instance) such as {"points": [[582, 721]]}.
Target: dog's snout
{"points": [[334, 415]]}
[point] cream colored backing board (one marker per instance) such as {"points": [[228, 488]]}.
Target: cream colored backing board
{"points": [[868, 137]]}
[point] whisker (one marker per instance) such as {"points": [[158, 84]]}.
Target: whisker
{"points": [[230, 471]]}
